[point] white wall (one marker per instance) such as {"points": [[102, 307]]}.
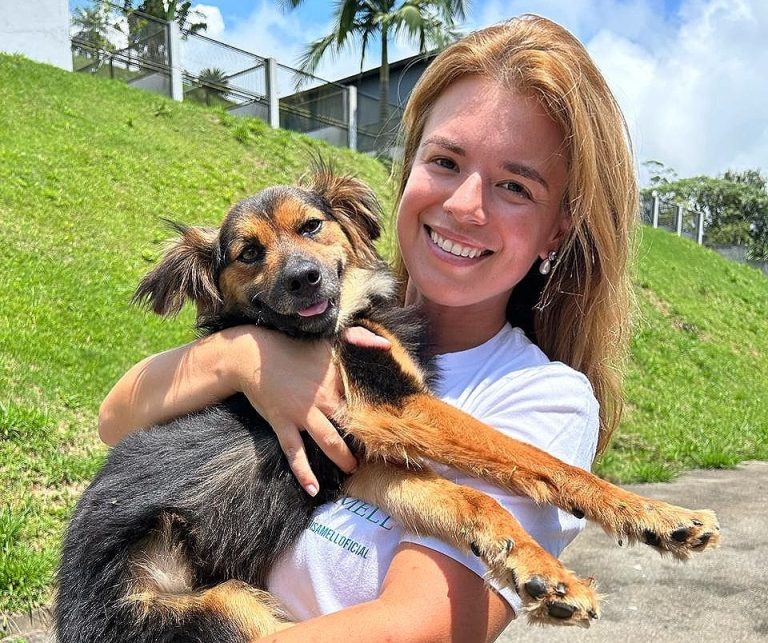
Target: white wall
{"points": [[39, 29]]}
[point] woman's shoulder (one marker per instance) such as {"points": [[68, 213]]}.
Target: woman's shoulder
{"points": [[518, 390], [509, 360]]}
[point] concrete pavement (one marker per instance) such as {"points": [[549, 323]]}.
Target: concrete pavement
{"points": [[719, 595]]}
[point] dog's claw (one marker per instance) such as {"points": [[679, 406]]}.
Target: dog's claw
{"points": [[680, 535]]}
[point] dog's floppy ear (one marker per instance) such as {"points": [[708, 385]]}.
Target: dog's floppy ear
{"points": [[186, 270], [354, 204]]}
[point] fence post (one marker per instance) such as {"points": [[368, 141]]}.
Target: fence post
{"points": [[655, 220], [679, 220], [273, 99], [174, 60], [352, 117], [700, 229]]}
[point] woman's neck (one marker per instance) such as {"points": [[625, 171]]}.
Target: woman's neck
{"points": [[453, 328]]}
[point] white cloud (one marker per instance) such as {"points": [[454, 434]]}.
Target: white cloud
{"points": [[697, 101], [212, 17]]}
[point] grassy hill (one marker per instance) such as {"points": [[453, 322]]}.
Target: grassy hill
{"points": [[88, 167]]}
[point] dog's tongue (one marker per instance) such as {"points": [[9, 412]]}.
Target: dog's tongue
{"points": [[316, 309]]}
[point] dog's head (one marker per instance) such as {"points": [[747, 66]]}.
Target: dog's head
{"points": [[281, 258]]}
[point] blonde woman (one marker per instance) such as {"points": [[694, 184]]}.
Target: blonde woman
{"points": [[517, 202]]}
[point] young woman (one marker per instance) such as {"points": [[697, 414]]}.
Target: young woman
{"points": [[517, 206]]}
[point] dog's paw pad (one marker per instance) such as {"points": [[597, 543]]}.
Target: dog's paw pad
{"points": [[572, 603], [536, 587], [560, 610], [692, 532]]}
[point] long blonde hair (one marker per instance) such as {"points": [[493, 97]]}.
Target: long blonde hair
{"points": [[581, 313]]}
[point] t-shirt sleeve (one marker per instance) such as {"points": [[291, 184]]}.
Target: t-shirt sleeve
{"points": [[553, 408]]}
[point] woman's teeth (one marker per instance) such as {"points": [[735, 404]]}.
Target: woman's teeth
{"points": [[453, 247]]}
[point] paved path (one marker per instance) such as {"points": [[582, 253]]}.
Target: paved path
{"points": [[720, 595]]}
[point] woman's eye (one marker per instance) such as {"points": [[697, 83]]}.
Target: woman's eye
{"points": [[515, 188], [250, 254], [311, 227], [448, 164]]}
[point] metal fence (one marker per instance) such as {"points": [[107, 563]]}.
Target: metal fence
{"points": [[143, 61], [159, 57], [673, 217], [677, 218]]}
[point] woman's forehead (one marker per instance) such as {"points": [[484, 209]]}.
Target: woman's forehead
{"points": [[479, 114]]}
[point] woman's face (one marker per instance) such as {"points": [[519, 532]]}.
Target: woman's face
{"points": [[483, 199]]}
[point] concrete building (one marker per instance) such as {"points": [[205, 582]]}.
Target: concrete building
{"points": [[38, 30], [403, 75]]}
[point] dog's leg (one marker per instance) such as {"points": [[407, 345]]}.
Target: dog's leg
{"points": [[427, 504], [423, 427], [232, 611], [162, 597], [254, 613]]}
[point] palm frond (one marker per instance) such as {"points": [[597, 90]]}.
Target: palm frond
{"points": [[314, 53]]}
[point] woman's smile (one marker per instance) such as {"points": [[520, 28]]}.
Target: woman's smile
{"points": [[449, 247]]}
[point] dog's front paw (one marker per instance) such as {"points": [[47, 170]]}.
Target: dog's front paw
{"points": [[675, 530], [550, 593], [563, 599]]}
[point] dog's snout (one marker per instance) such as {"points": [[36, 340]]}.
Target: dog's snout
{"points": [[302, 278]]}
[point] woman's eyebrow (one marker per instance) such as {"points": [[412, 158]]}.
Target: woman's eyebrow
{"points": [[525, 170], [521, 169], [447, 143]]}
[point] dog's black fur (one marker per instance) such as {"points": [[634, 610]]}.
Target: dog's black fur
{"points": [[217, 479]]}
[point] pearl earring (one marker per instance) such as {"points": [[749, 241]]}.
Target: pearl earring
{"points": [[546, 265]]}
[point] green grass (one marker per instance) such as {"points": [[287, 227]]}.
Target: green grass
{"points": [[697, 389], [87, 169]]}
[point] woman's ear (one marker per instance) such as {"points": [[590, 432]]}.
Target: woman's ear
{"points": [[559, 234]]}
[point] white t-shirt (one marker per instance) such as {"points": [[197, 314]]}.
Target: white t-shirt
{"points": [[341, 559]]}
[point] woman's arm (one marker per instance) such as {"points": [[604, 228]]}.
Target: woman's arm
{"points": [[425, 597], [265, 365]]}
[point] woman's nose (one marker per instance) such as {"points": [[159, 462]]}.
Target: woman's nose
{"points": [[466, 201]]}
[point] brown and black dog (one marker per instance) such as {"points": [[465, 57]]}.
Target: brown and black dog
{"points": [[176, 535]]}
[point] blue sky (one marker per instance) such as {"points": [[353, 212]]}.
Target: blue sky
{"points": [[689, 74]]}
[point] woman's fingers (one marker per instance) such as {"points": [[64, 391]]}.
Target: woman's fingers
{"points": [[293, 448], [360, 336], [327, 437]]}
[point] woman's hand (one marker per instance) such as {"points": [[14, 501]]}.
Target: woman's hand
{"points": [[295, 386]]}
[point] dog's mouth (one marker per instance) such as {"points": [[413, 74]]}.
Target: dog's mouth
{"points": [[315, 309], [304, 319]]}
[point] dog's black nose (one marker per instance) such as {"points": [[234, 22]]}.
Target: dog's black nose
{"points": [[302, 278]]}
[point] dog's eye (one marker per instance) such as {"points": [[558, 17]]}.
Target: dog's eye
{"points": [[311, 227], [250, 254]]}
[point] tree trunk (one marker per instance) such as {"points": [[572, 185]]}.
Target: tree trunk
{"points": [[384, 81]]}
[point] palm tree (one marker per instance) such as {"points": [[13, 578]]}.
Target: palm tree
{"points": [[214, 82], [431, 23], [178, 10], [93, 27], [144, 35]]}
